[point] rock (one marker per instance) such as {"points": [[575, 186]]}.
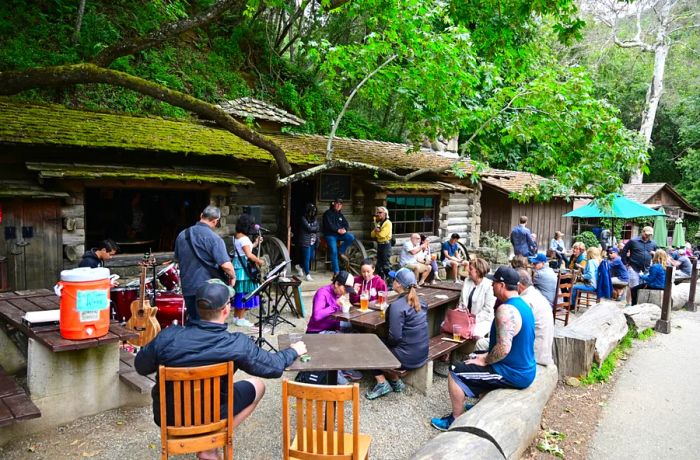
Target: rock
{"points": [[572, 382], [680, 295], [604, 321], [642, 316]]}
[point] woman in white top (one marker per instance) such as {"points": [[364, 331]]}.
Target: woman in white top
{"points": [[477, 298], [242, 258]]}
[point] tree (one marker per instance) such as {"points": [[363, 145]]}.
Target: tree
{"points": [[656, 25]]}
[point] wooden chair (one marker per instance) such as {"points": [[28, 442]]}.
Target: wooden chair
{"points": [[313, 440], [198, 422], [562, 304], [587, 298]]}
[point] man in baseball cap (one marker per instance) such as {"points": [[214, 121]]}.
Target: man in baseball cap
{"points": [[510, 360], [207, 341], [543, 278]]}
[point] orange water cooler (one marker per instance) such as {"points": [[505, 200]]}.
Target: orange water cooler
{"points": [[84, 294]]}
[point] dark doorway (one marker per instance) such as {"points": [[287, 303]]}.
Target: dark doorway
{"points": [[140, 219], [303, 191]]}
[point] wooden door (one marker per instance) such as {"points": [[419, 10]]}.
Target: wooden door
{"points": [[32, 242]]}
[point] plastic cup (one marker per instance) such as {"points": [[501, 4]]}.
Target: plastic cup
{"points": [[295, 337], [457, 332], [346, 308]]}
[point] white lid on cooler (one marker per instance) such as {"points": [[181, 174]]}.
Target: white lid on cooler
{"points": [[82, 274]]}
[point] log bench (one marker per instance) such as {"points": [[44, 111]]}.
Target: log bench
{"points": [[501, 425], [422, 378], [128, 375], [15, 404]]}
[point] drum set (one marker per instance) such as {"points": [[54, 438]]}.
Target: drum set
{"points": [[169, 299]]}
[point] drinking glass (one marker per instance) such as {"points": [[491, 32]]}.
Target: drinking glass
{"points": [[457, 332], [364, 301]]}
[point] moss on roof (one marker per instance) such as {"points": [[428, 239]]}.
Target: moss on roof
{"points": [[419, 186]]}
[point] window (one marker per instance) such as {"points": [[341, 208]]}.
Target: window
{"points": [[412, 214]]}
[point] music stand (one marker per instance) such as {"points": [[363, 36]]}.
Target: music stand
{"points": [[271, 276]]}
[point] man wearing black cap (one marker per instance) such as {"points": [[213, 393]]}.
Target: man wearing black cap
{"points": [[336, 228], [510, 361], [207, 341]]}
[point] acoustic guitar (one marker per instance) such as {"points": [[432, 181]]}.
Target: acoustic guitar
{"points": [[143, 315]]}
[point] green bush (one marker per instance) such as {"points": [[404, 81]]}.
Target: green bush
{"points": [[587, 238], [492, 240]]}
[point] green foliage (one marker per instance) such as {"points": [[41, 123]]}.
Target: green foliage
{"points": [[587, 238], [603, 372], [549, 443], [646, 334], [492, 240]]}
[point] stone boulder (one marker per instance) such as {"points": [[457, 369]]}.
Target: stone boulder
{"points": [[680, 295], [642, 316]]}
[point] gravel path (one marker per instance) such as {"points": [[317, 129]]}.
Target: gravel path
{"points": [[399, 424], [654, 411]]}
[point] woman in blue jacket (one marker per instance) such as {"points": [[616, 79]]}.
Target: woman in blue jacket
{"points": [[408, 334], [655, 277]]}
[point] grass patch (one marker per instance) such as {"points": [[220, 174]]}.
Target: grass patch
{"points": [[646, 334], [549, 443], [602, 372]]}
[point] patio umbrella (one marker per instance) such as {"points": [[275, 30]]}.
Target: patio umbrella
{"points": [[622, 208], [678, 234], [660, 230]]}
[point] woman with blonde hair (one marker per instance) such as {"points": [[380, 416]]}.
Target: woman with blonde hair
{"points": [[655, 278], [590, 274], [408, 333], [578, 256]]}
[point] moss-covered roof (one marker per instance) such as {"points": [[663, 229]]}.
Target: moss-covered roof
{"points": [[26, 188], [101, 171], [418, 186]]}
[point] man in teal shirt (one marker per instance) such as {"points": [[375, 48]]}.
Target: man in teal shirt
{"points": [[510, 361]]}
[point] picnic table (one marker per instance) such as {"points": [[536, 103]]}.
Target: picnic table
{"points": [[66, 379], [332, 352]]}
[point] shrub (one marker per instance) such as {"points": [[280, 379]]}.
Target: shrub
{"points": [[587, 238]]}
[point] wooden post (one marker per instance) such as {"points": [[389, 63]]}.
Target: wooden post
{"points": [[690, 306], [663, 325]]}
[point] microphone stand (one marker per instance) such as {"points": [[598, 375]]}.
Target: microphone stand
{"points": [[264, 286]]}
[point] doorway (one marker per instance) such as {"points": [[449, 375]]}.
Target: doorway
{"points": [[303, 192]]}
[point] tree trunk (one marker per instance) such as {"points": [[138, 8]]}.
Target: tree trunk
{"points": [[13, 82], [79, 22]]}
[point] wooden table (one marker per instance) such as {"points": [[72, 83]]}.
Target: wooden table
{"points": [[434, 298], [333, 352]]}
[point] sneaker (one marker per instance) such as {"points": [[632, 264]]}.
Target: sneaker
{"points": [[379, 390], [299, 270], [459, 281], [467, 406], [433, 281], [352, 374], [308, 277], [398, 386], [436, 278], [242, 322], [442, 423]]}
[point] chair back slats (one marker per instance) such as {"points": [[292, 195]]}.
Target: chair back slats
{"points": [[309, 424], [196, 406], [562, 305], [341, 428], [355, 418], [300, 426], [330, 420]]}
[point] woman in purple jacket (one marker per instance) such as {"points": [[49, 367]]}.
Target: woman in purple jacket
{"points": [[326, 303]]}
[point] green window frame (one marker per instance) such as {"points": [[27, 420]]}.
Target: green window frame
{"points": [[413, 213]]}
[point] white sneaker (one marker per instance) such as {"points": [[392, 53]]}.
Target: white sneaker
{"points": [[458, 281], [436, 278], [299, 270], [243, 323], [308, 277]]}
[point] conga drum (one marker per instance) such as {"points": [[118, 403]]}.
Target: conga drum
{"points": [[171, 307], [121, 298]]}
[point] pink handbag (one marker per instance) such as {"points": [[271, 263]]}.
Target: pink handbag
{"points": [[462, 318]]}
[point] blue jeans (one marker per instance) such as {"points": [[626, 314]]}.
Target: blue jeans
{"points": [[308, 254], [332, 240], [579, 287]]}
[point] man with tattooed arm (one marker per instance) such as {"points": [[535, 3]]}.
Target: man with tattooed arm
{"points": [[510, 360]]}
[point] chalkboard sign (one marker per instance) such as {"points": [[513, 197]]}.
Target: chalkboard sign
{"points": [[334, 186]]}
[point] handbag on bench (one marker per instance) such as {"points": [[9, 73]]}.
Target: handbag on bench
{"points": [[462, 318]]}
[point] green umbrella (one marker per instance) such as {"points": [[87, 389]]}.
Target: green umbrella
{"points": [[622, 208], [678, 234], [660, 230]]}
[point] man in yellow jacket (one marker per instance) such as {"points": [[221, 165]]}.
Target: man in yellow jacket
{"points": [[382, 232]]}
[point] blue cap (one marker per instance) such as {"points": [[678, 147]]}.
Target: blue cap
{"points": [[675, 255], [613, 249], [540, 257], [404, 277], [214, 294]]}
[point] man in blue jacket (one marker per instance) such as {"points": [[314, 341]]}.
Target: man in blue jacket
{"points": [[521, 239], [336, 228], [207, 341]]}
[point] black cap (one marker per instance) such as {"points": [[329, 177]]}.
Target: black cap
{"points": [[505, 275], [347, 280], [338, 200], [214, 294]]}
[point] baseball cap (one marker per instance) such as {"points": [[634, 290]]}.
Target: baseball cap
{"points": [[505, 275], [613, 249], [404, 277], [540, 257], [347, 280], [338, 200], [214, 294]]}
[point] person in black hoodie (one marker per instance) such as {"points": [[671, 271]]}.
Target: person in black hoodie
{"points": [[336, 228], [308, 237], [97, 256], [207, 341]]}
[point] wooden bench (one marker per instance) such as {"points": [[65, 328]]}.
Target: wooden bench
{"points": [[128, 375], [15, 404], [422, 378]]}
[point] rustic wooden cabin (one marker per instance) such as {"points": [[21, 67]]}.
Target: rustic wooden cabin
{"points": [[659, 195], [70, 178], [500, 212]]}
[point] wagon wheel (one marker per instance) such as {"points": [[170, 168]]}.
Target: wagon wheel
{"points": [[274, 252], [356, 254], [463, 253]]}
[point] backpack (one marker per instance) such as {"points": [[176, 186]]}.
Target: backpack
{"points": [[312, 377]]}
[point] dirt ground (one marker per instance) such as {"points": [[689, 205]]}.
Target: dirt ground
{"points": [[574, 412]]}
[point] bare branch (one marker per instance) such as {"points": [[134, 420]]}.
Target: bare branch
{"points": [[105, 57], [334, 128], [13, 82]]}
